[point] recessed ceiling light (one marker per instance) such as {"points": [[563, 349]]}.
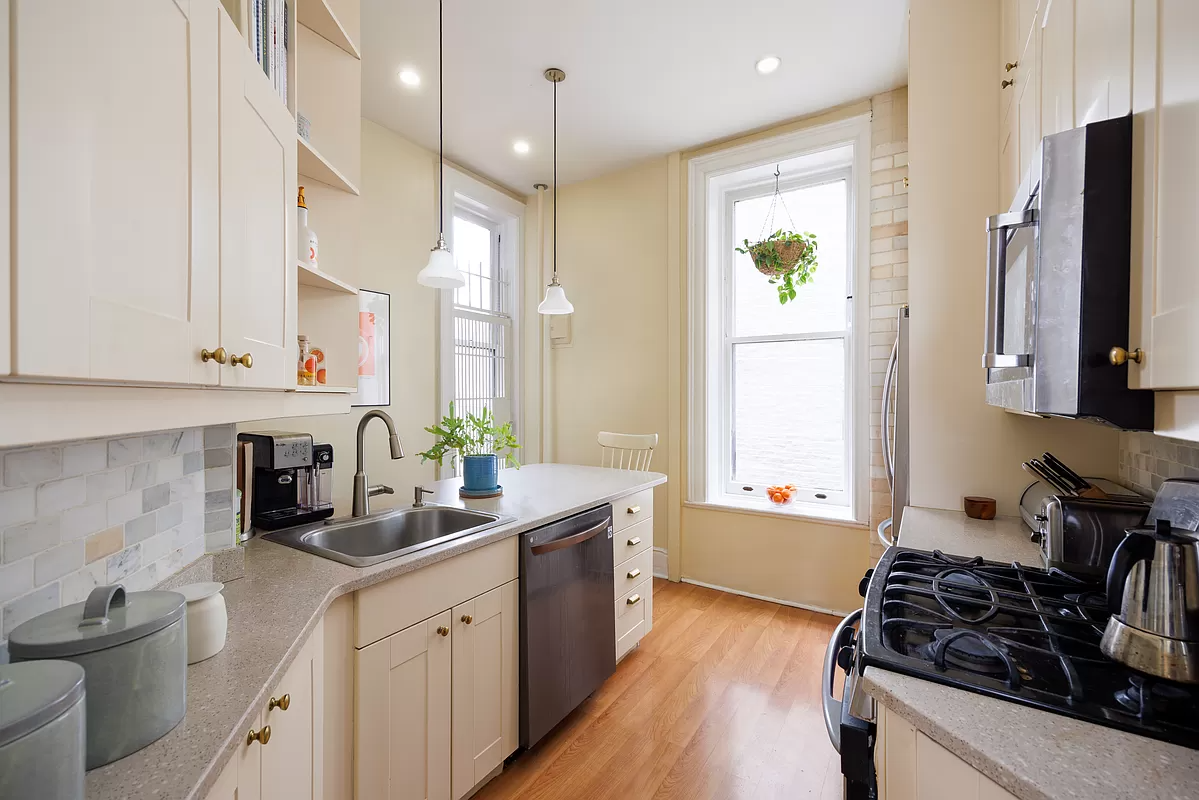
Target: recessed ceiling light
{"points": [[521, 147], [409, 77], [768, 64]]}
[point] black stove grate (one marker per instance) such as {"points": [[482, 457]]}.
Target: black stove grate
{"points": [[1016, 633]]}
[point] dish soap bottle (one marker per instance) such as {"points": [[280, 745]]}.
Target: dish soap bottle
{"points": [[306, 241]]}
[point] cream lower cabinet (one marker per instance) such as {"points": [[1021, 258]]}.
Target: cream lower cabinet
{"points": [[633, 560], [911, 766], [282, 754]]}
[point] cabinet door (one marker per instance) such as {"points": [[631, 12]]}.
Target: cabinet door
{"points": [[1102, 59], [1009, 159], [258, 200], [485, 685], [1057, 67], [249, 765], [1167, 151], [402, 714], [115, 188], [293, 760]]}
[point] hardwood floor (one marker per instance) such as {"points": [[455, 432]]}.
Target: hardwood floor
{"points": [[720, 700]]}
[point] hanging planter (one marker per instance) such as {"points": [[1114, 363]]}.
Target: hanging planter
{"points": [[786, 258]]}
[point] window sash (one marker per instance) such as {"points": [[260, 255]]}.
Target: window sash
{"points": [[804, 494]]}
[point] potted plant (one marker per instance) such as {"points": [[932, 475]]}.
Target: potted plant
{"points": [[479, 442], [787, 259]]}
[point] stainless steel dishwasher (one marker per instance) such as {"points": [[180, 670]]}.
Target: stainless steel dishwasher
{"points": [[567, 618]]}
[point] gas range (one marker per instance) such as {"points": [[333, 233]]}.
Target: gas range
{"points": [[1017, 633]]}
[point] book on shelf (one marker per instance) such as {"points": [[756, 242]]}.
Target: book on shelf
{"points": [[270, 39]]}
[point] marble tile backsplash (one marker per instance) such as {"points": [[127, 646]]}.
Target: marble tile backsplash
{"points": [[135, 510], [1147, 459]]}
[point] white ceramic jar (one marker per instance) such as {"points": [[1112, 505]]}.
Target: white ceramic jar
{"points": [[207, 620]]}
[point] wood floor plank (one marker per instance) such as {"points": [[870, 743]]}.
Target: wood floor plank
{"points": [[720, 700]]}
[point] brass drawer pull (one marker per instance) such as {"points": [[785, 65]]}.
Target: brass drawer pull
{"points": [[636, 540], [467, 618], [1118, 356], [634, 600], [219, 355], [246, 361], [283, 703], [261, 736], [1006, 83], [634, 510], [1011, 65], [634, 573], [443, 630]]}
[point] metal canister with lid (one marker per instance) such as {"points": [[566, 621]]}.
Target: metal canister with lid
{"points": [[133, 650], [42, 731]]}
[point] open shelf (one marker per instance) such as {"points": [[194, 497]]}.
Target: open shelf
{"points": [[313, 165], [316, 279], [318, 389], [319, 18]]}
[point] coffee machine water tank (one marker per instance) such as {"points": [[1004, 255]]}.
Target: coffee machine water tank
{"points": [[322, 454]]}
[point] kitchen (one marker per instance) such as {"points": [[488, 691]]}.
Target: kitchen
{"points": [[123, 464]]}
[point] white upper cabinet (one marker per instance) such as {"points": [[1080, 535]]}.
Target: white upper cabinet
{"points": [[1165, 81], [115, 189], [1057, 67], [258, 200], [1102, 59]]}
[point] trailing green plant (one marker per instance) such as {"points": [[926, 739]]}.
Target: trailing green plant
{"points": [[471, 436], [787, 259]]}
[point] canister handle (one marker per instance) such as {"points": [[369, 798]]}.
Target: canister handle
{"points": [[99, 601]]}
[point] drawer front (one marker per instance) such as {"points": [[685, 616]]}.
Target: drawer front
{"points": [[633, 571], [628, 511], [632, 540], [631, 607], [626, 643]]}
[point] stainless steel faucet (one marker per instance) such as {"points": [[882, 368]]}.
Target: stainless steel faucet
{"points": [[362, 491]]}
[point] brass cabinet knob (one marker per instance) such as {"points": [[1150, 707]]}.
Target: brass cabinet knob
{"points": [[218, 355], [1011, 65], [636, 540], [1006, 83], [246, 361], [261, 736], [634, 600], [634, 510], [633, 573], [467, 618], [1119, 356], [443, 630], [283, 703]]}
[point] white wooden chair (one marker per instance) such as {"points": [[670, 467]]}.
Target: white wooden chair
{"points": [[632, 451]]}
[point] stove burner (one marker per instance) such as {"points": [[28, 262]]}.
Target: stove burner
{"points": [[1161, 698], [1087, 606], [964, 649], [960, 590]]}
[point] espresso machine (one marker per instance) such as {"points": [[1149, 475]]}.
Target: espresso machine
{"points": [[292, 480]]}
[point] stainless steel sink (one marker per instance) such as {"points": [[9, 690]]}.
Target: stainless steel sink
{"points": [[363, 541]]}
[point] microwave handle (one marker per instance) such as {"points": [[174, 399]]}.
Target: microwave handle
{"points": [[997, 235]]}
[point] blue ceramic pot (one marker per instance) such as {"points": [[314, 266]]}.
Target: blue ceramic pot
{"points": [[480, 473]]}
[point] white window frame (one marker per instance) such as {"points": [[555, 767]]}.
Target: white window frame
{"points": [[466, 196], [833, 151]]}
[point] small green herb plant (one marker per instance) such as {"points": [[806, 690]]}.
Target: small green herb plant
{"points": [[471, 436], [787, 259]]}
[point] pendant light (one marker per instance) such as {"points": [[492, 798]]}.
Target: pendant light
{"points": [[555, 301], [440, 272]]}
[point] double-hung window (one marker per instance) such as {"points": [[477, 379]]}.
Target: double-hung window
{"points": [[779, 391]]}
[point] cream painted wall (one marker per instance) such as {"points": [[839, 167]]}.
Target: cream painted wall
{"points": [[397, 225], [612, 262], [960, 445]]}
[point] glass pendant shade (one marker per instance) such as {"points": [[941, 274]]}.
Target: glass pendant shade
{"points": [[440, 272], [555, 301]]}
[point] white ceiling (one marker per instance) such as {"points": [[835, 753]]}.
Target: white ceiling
{"points": [[644, 77]]}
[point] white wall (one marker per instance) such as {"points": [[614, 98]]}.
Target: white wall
{"points": [[960, 445]]}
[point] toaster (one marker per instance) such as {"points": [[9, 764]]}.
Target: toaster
{"points": [[1080, 534]]}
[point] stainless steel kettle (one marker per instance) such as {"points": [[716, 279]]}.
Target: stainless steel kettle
{"points": [[1153, 595]]}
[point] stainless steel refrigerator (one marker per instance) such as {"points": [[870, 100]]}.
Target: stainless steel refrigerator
{"points": [[895, 425]]}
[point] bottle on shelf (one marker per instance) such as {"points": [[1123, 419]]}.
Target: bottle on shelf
{"points": [[306, 241], [306, 365]]}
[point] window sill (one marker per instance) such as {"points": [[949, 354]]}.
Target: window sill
{"points": [[810, 512]]}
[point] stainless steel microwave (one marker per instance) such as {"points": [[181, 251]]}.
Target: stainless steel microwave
{"points": [[1058, 271]]}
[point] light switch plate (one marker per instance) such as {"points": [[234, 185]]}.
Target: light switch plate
{"points": [[560, 330]]}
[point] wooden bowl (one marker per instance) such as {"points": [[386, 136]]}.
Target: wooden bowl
{"points": [[979, 507]]}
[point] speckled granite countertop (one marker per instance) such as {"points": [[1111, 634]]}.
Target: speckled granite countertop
{"points": [[283, 595], [1033, 754]]}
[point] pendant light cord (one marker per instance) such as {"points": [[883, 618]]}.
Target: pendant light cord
{"points": [[440, 123], [555, 181]]}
